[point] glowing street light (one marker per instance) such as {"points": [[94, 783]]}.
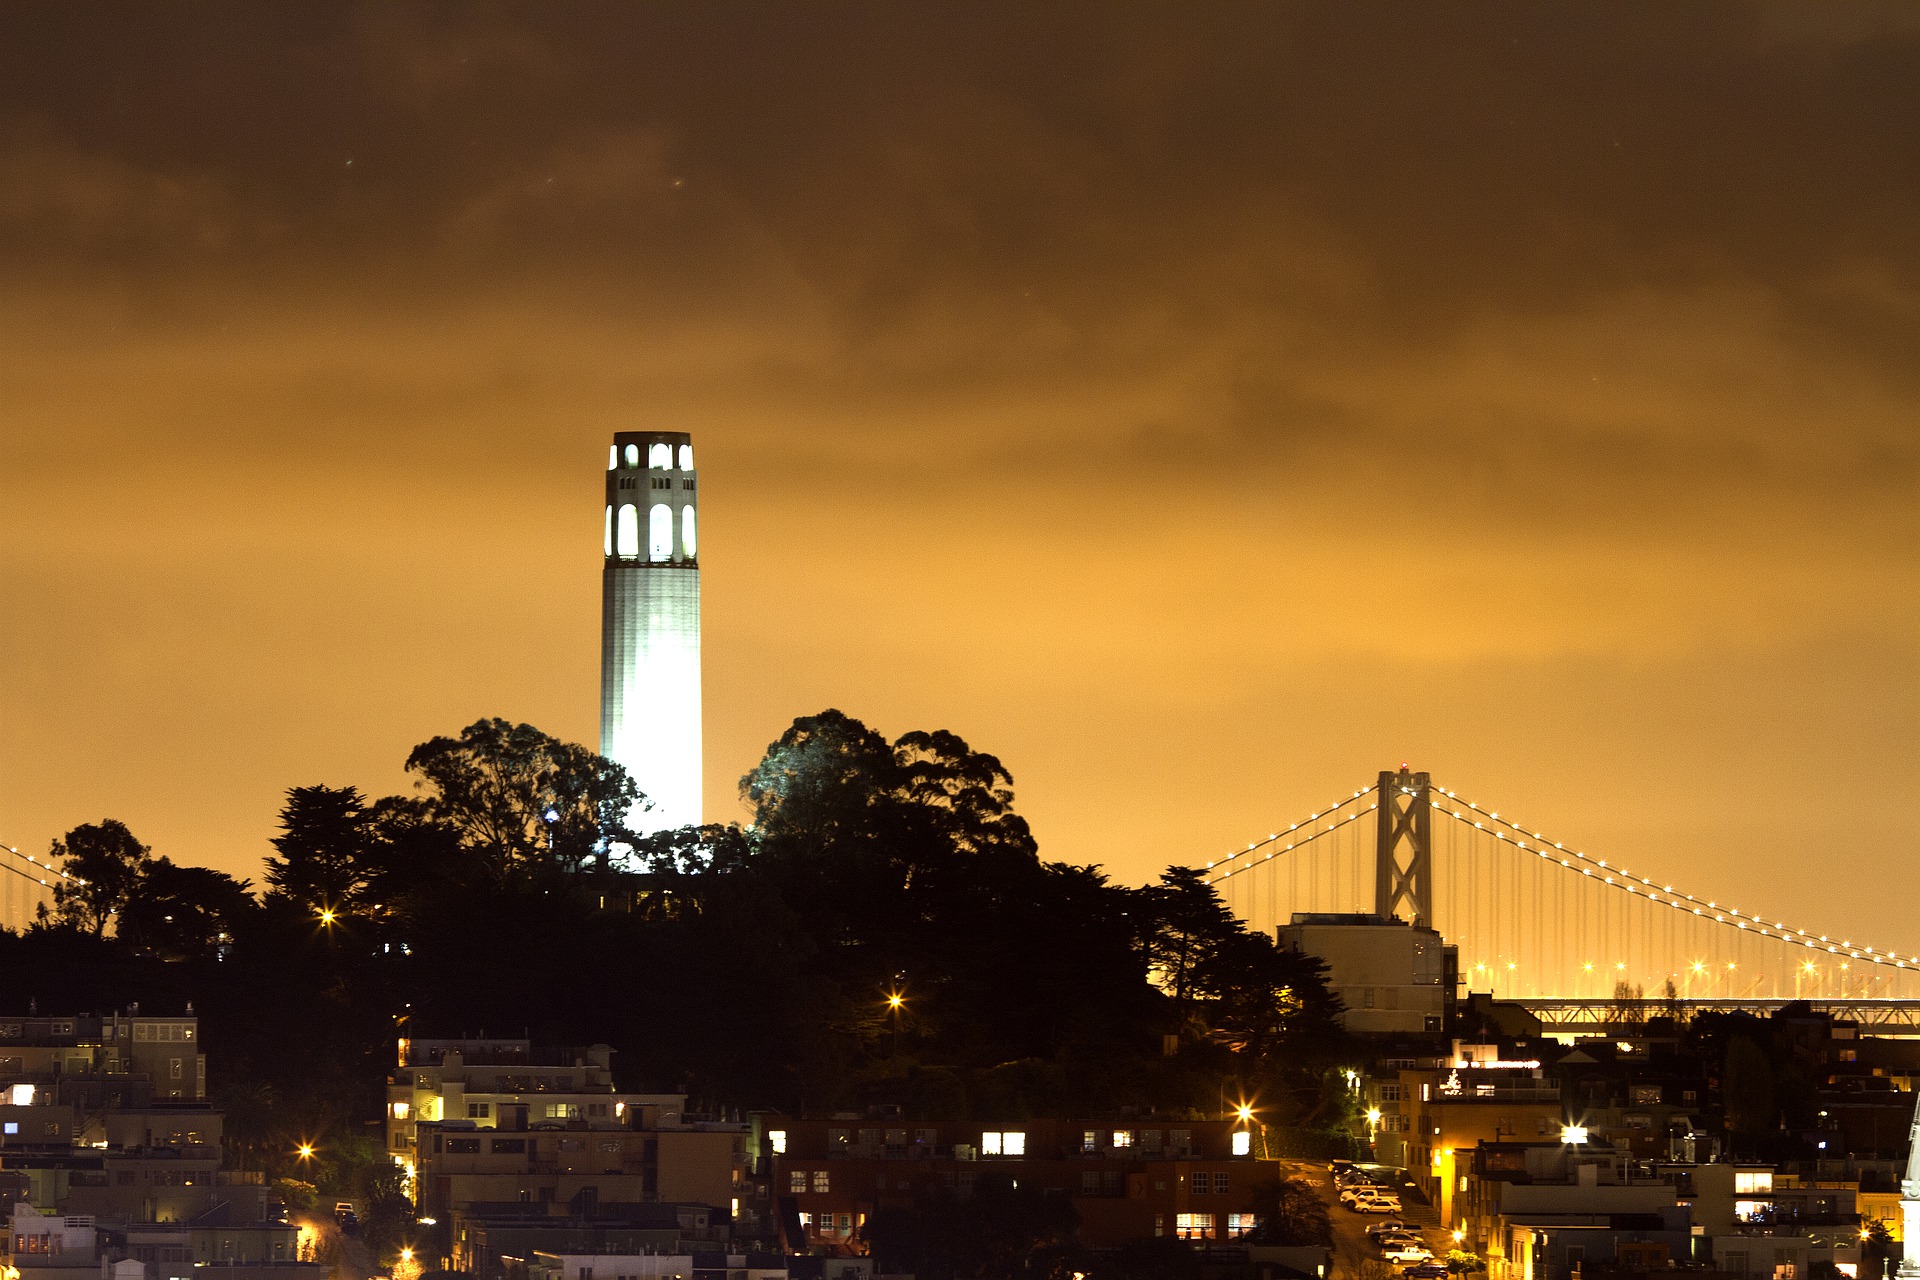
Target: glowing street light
{"points": [[304, 1151], [326, 915]]}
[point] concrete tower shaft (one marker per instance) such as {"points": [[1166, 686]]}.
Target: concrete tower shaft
{"points": [[650, 624]]}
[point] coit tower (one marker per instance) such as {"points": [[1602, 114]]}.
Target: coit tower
{"points": [[650, 624]]}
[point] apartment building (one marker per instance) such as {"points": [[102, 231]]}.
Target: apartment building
{"points": [[1127, 1180]]}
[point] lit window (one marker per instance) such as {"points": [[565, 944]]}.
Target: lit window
{"points": [[1242, 1142], [686, 457], [797, 1180], [1242, 1224], [823, 1180], [1089, 1140], [627, 533], [1015, 1143], [1193, 1226], [613, 456], [400, 1111], [660, 455], [1123, 1137], [686, 531], [609, 528], [989, 1144], [660, 532], [633, 455], [778, 1138], [1751, 1180]]}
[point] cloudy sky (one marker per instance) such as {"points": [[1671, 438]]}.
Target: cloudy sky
{"points": [[1201, 407]]}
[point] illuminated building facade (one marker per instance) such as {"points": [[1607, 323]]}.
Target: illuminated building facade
{"points": [[650, 624]]}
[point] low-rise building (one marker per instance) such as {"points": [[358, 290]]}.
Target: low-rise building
{"points": [[1127, 1179]]}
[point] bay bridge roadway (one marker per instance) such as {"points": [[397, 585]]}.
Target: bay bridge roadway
{"points": [[1582, 941]]}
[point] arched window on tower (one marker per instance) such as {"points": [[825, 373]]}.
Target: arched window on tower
{"points": [[627, 535], [633, 455], [609, 528], [613, 456], [686, 457], [660, 455], [660, 532], [686, 533]]}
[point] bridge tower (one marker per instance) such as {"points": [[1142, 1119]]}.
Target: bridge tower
{"points": [[1404, 849]]}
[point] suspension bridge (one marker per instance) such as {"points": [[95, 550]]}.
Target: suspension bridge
{"points": [[1579, 939], [26, 885]]}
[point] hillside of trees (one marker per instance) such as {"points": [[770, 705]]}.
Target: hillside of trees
{"points": [[752, 967]]}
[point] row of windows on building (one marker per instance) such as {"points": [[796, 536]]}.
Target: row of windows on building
{"points": [[656, 483], [659, 457], [1200, 1226], [623, 532], [1013, 1142]]}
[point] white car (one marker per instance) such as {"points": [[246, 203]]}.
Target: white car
{"points": [[1400, 1255], [1376, 1204]]}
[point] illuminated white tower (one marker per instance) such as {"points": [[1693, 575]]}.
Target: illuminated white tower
{"points": [[650, 624]]}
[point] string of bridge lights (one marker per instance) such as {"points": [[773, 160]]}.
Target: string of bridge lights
{"points": [[48, 867], [1324, 815], [1620, 878]]}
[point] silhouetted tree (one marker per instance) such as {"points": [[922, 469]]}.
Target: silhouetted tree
{"points": [[1291, 1213], [323, 849], [104, 864], [185, 912], [522, 799]]}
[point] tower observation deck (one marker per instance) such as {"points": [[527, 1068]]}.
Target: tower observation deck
{"points": [[650, 624]]}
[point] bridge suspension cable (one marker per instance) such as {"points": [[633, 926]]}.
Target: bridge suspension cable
{"points": [[1679, 900], [1324, 815]]}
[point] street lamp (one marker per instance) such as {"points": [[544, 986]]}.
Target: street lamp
{"points": [[304, 1151], [1373, 1125]]}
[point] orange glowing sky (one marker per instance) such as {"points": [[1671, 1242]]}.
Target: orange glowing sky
{"points": [[1201, 408]]}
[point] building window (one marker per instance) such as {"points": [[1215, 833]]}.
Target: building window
{"points": [[563, 1111], [1122, 1138], [1090, 1140], [1200, 1183], [1193, 1226], [1242, 1143], [1090, 1183], [1219, 1183], [609, 539], [1011, 1143], [686, 531], [508, 1146], [823, 1180], [479, 1110], [660, 455], [463, 1146], [613, 456], [777, 1138], [1746, 1181], [626, 539], [686, 457], [797, 1180], [400, 1110], [633, 455], [660, 532], [1180, 1139], [1242, 1224]]}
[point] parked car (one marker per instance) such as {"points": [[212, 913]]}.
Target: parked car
{"points": [[1378, 1229], [1430, 1270], [1377, 1204], [1409, 1253]]}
